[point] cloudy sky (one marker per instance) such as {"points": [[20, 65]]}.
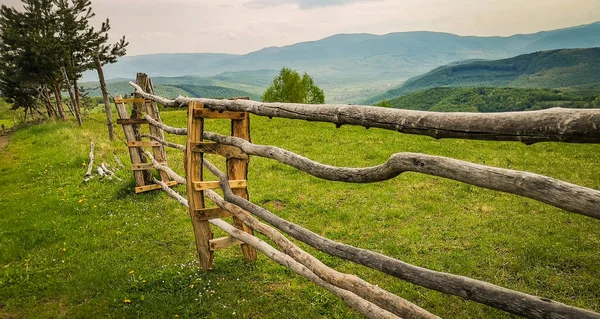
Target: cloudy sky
{"points": [[241, 26]]}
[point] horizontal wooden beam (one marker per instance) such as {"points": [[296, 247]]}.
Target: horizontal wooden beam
{"points": [[211, 213], [208, 114], [223, 242], [136, 100], [131, 121], [147, 188], [226, 151], [201, 186], [143, 144]]}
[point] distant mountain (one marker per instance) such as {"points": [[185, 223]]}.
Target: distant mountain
{"points": [[341, 62], [544, 69], [488, 99]]}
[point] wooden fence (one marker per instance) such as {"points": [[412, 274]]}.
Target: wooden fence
{"points": [[563, 125]]}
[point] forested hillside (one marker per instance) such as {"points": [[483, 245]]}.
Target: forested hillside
{"points": [[546, 69], [488, 99]]}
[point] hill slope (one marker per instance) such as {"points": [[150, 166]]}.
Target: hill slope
{"points": [[545, 69], [486, 99]]}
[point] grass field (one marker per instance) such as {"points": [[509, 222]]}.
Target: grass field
{"points": [[97, 250]]}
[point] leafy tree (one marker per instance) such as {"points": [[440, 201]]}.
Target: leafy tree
{"points": [[383, 103], [46, 47], [290, 87]]}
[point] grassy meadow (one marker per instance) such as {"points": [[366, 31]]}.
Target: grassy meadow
{"points": [[70, 249]]}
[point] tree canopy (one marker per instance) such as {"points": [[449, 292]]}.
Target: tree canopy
{"points": [[290, 87], [46, 46]]}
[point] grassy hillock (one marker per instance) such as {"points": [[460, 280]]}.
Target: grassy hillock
{"points": [[486, 99], [545, 69], [74, 250]]}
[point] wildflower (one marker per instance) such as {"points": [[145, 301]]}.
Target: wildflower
{"points": [[80, 201], [95, 206], [118, 233], [127, 301], [63, 249], [131, 272], [82, 164], [192, 286], [144, 281], [176, 316]]}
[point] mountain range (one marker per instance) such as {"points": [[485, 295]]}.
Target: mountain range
{"points": [[352, 67]]}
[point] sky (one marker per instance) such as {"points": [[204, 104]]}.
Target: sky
{"points": [[242, 26]]}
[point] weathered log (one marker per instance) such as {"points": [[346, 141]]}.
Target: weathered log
{"points": [[165, 143], [471, 289], [556, 124], [570, 197], [357, 303], [105, 97], [88, 173]]}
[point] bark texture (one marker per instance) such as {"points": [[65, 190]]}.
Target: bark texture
{"points": [[570, 197], [556, 124]]}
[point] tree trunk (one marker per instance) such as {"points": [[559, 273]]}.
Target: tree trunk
{"points": [[107, 107], [59, 107], [72, 96], [77, 105], [51, 111]]}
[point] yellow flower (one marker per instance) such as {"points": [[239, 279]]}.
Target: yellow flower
{"points": [[127, 301], [83, 164], [81, 200], [192, 286], [95, 206], [144, 281], [131, 272], [118, 233], [64, 249], [176, 316]]}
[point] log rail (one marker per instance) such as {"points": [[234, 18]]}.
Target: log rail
{"points": [[559, 125]]}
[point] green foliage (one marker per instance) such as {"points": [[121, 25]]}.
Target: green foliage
{"points": [[289, 87], [68, 250], [485, 99], [546, 69], [384, 103]]}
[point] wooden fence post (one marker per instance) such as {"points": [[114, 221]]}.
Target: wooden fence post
{"points": [[193, 173], [237, 169], [134, 152]]}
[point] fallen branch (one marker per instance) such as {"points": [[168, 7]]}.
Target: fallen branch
{"points": [[165, 143], [355, 302], [108, 170], [365, 290], [471, 289], [88, 175], [118, 161], [570, 197], [555, 124]]}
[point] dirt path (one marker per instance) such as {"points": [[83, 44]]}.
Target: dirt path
{"points": [[3, 142]]}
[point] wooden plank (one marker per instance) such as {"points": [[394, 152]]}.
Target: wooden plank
{"points": [[131, 100], [193, 173], [131, 121], [226, 151], [152, 110], [235, 184], [143, 144], [208, 114], [237, 169], [223, 242], [147, 188], [212, 213], [134, 153]]}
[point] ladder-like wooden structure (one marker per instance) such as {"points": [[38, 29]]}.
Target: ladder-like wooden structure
{"points": [[131, 124], [237, 172]]}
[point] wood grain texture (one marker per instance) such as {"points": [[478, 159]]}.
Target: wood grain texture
{"points": [[134, 153], [237, 169], [193, 162]]}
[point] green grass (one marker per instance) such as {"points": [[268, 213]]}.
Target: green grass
{"points": [[67, 248]]}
